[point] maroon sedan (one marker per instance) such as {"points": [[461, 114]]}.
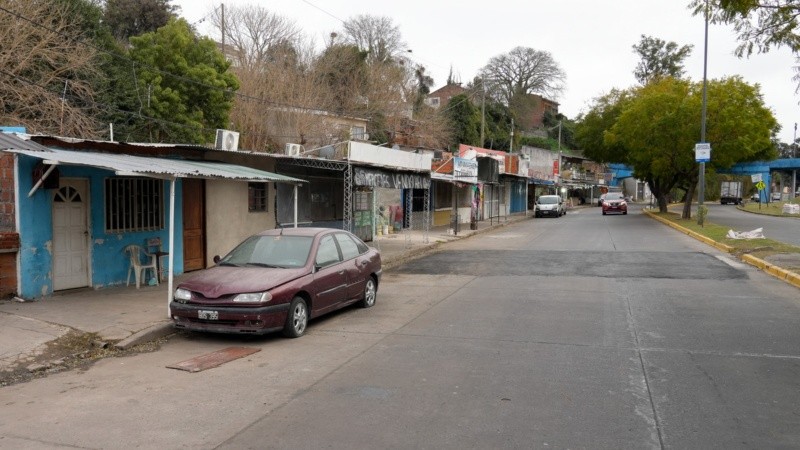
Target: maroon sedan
{"points": [[614, 202], [278, 280]]}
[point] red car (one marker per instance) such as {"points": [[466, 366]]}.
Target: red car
{"points": [[614, 202], [278, 280]]}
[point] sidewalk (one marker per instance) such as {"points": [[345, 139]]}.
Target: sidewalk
{"points": [[126, 316]]}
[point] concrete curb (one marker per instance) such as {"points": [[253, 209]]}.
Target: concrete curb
{"points": [[151, 333], [723, 247], [776, 271]]}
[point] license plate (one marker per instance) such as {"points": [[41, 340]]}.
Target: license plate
{"points": [[207, 315]]}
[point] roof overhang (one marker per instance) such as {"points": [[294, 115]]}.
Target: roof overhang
{"points": [[143, 166]]}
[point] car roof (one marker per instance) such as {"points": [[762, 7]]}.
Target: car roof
{"points": [[300, 231]]}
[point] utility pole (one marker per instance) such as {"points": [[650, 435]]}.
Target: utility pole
{"points": [[511, 145], [483, 108], [702, 178]]}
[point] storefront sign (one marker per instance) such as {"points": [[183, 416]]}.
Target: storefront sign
{"points": [[465, 170], [363, 176]]}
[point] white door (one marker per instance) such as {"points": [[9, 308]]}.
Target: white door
{"points": [[70, 235]]}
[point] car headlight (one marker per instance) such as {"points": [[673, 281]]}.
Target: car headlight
{"points": [[182, 295], [253, 297]]}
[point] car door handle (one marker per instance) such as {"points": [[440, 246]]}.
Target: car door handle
{"points": [[341, 272], [364, 262]]}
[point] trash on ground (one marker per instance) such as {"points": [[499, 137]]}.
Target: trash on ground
{"points": [[791, 208], [758, 233]]}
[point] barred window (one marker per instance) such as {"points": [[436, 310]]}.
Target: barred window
{"points": [[257, 197], [134, 204]]}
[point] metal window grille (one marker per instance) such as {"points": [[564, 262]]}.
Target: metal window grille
{"points": [[134, 204], [257, 197]]}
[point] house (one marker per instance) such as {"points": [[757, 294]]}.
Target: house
{"points": [[78, 204], [531, 113], [441, 97]]}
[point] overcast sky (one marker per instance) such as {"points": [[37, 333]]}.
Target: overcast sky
{"points": [[591, 40]]}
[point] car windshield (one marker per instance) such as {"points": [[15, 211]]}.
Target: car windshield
{"points": [[270, 251], [549, 200], [614, 196]]}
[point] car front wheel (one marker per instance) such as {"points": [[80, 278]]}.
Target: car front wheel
{"points": [[370, 293], [297, 319]]}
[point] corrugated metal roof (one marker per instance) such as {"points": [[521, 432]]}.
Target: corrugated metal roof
{"points": [[141, 165]]}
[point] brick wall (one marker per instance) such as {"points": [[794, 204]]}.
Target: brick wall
{"points": [[6, 192]]}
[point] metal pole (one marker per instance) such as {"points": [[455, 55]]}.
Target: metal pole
{"points": [[702, 179], [794, 171], [171, 247]]}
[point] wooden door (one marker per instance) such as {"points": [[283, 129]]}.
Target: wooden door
{"points": [[70, 235], [194, 255]]}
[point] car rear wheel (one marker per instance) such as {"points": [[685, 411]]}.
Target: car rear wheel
{"points": [[370, 293], [297, 319]]}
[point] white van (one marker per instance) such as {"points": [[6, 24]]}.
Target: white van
{"points": [[549, 205]]}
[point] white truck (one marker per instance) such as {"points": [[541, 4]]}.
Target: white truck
{"points": [[730, 192]]}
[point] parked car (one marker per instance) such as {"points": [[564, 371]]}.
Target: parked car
{"points": [[776, 196], [614, 202], [549, 205], [278, 280], [755, 197]]}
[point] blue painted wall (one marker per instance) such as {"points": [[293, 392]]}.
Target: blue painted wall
{"points": [[518, 199], [109, 264]]}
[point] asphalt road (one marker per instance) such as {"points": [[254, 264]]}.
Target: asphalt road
{"points": [[584, 331]]}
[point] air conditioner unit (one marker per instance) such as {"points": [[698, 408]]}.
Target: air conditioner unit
{"points": [[227, 140], [293, 149]]}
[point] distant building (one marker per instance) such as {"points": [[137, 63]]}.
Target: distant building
{"points": [[441, 97], [532, 113]]}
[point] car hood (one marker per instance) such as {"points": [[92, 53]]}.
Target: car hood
{"points": [[226, 280]]}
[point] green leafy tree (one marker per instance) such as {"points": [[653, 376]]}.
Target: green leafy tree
{"points": [[659, 59], [592, 127], [760, 25], [498, 127], [465, 119], [184, 83], [658, 126], [128, 18]]}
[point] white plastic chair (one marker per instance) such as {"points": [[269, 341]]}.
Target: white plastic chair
{"points": [[136, 253]]}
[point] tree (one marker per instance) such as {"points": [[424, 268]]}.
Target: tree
{"points": [[593, 125], [424, 83], [465, 120], [128, 18], [760, 25], [512, 76], [184, 83], [46, 69], [658, 126], [379, 37], [659, 59], [256, 37]]}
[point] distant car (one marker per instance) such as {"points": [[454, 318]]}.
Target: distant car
{"points": [[614, 202], [278, 280], [549, 205], [600, 200], [755, 197], [776, 196]]}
